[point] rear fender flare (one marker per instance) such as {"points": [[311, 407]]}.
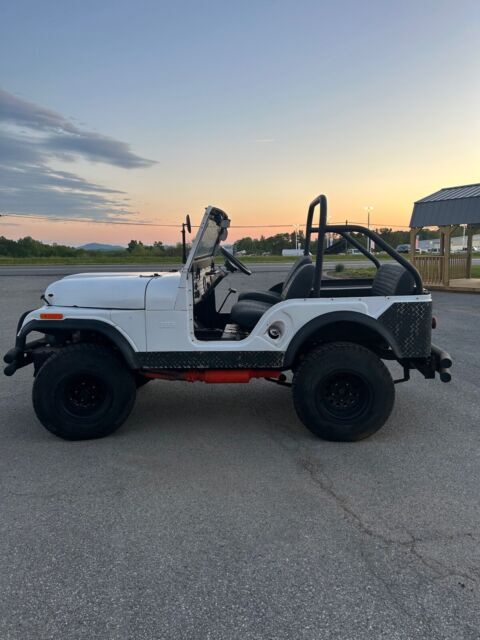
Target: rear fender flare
{"points": [[313, 327]]}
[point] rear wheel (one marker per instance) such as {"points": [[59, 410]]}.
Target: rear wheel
{"points": [[343, 392], [83, 391]]}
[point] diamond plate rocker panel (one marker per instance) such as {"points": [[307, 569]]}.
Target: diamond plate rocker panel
{"points": [[210, 359]]}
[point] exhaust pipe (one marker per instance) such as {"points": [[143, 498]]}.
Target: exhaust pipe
{"points": [[443, 362], [443, 358]]}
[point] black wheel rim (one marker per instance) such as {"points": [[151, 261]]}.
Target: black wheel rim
{"points": [[84, 395], [344, 396]]}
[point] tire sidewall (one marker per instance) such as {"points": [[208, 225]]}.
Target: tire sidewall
{"points": [[93, 360], [352, 359]]}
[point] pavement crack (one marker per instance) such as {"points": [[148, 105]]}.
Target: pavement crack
{"points": [[326, 484], [438, 570]]}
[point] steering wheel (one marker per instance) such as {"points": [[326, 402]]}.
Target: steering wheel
{"points": [[234, 263]]}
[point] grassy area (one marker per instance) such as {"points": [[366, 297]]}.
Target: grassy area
{"points": [[327, 258], [369, 272], [135, 259], [355, 272], [129, 259]]}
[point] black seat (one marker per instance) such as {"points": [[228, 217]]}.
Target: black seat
{"points": [[393, 280], [247, 312], [273, 296]]}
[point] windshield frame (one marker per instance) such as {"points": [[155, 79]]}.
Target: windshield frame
{"points": [[200, 251]]}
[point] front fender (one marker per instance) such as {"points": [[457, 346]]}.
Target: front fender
{"points": [[22, 354]]}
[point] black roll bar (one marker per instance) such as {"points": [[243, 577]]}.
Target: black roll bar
{"points": [[344, 230], [321, 199], [358, 245], [384, 245], [320, 230]]}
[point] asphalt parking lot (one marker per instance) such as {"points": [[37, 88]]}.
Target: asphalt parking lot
{"points": [[212, 513]]}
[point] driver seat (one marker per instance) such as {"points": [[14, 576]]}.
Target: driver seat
{"points": [[272, 295], [247, 312]]}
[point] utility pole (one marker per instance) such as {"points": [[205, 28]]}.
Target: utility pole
{"points": [[368, 209], [296, 237]]}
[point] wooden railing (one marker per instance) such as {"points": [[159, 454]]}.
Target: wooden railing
{"points": [[459, 266], [431, 268]]}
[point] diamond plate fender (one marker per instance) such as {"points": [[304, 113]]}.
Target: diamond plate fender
{"points": [[410, 323]]}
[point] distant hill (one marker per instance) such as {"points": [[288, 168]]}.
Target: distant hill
{"points": [[96, 246]]}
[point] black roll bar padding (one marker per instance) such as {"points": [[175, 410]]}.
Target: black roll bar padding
{"points": [[339, 228], [358, 245]]}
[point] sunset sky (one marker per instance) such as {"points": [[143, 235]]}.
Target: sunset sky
{"points": [[146, 110]]}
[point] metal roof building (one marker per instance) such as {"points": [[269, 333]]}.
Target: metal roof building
{"points": [[450, 206], [447, 209]]}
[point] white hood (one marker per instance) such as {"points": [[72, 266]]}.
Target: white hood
{"points": [[100, 290]]}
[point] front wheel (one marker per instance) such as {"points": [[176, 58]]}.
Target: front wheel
{"points": [[343, 392], [83, 391]]}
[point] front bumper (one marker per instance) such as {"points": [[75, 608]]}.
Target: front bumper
{"points": [[23, 353], [18, 357]]}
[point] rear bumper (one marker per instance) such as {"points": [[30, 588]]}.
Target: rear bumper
{"points": [[439, 362]]}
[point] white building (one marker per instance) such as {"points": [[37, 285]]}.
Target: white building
{"points": [[457, 244]]}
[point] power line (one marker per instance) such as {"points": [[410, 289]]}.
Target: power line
{"points": [[131, 223], [85, 220], [175, 226], [375, 224]]}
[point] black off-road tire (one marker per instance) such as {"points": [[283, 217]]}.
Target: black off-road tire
{"points": [[343, 392], [83, 391]]}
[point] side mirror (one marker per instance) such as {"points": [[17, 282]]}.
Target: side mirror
{"points": [[188, 223]]}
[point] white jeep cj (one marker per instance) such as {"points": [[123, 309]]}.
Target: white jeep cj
{"points": [[106, 334]]}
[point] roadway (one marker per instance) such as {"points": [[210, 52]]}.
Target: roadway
{"points": [[212, 513]]}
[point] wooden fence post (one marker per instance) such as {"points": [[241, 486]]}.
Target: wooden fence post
{"points": [[413, 242], [445, 248], [471, 230]]}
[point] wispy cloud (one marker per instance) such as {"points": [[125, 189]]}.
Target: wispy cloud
{"points": [[21, 112], [31, 138]]}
